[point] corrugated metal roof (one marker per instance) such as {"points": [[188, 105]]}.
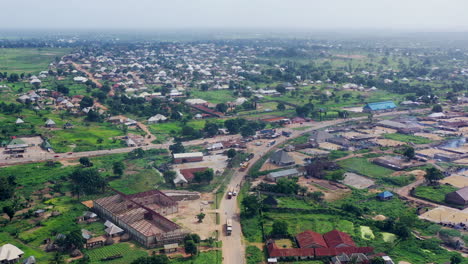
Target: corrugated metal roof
{"points": [[380, 105]]}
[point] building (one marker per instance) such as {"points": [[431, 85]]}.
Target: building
{"points": [[282, 158], [385, 106], [15, 146], [156, 119], [186, 176], [386, 195], [50, 123], [188, 157], [274, 176], [141, 215], [10, 254], [314, 245], [459, 197]]}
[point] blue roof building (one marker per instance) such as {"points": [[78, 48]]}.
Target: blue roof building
{"points": [[386, 195], [379, 106]]}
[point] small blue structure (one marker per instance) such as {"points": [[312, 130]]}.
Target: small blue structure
{"points": [[379, 107], [386, 195]]}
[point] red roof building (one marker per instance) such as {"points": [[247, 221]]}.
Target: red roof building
{"points": [[189, 174], [337, 239], [275, 252], [310, 239]]}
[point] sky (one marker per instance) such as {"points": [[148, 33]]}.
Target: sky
{"points": [[439, 15]]}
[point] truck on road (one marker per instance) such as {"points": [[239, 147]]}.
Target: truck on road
{"points": [[228, 226]]}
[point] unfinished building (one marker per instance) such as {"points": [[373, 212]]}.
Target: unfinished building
{"points": [[141, 215]]}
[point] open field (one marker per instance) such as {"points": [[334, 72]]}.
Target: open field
{"points": [[215, 96], [28, 60], [408, 138], [363, 166], [434, 193], [129, 252]]}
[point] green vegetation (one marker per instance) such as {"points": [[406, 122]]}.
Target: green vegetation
{"points": [[130, 252], [434, 193], [366, 233], [408, 138], [291, 202], [363, 166], [213, 256], [215, 97], [28, 60], [254, 255]]}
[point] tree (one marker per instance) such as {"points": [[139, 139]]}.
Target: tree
{"points": [[247, 131], [377, 260], [7, 187], [433, 175], [211, 129], [85, 162], [63, 89], [86, 102], [409, 152], [200, 217], [456, 259], [9, 211], [316, 196], [190, 247], [204, 176], [118, 168], [87, 181], [231, 153], [57, 259], [169, 176], [136, 154], [280, 89], [281, 107], [437, 108], [280, 228], [252, 205], [157, 259], [222, 107]]}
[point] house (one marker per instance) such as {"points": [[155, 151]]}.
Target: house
{"points": [[274, 176], [30, 260], [170, 248], [113, 230], [16, 145], [310, 239], [385, 106], [459, 197], [282, 158], [319, 136], [50, 123], [337, 239], [156, 119], [19, 121], [386, 195], [188, 157], [185, 176], [10, 254]]}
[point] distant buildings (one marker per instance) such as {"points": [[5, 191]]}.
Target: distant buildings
{"points": [[386, 106]]}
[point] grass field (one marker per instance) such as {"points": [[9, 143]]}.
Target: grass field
{"points": [[388, 237], [408, 138], [215, 97], [253, 255], [212, 257], [129, 252], [366, 233], [434, 193], [290, 202], [363, 166], [28, 60]]}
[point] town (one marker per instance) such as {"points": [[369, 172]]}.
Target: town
{"points": [[265, 150]]}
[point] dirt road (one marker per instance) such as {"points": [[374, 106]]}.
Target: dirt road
{"points": [[88, 74]]}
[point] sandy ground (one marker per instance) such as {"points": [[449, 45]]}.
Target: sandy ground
{"points": [[350, 135], [329, 146], [458, 181], [314, 151], [332, 194], [463, 149], [430, 152], [186, 217], [419, 174], [429, 136], [216, 162], [388, 142], [353, 109], [378, 130], [357, 181], [445, 214], [34, 150]]}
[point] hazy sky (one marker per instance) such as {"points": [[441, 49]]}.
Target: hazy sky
{"points": [[314, 14]]}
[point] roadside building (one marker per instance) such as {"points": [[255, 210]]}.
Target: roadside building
{"points": [[16, 146], [459, 197], [274, 176], [156, 119], [188, 157], [378, 107], [386, 195], [186, 176], [50, 123], [282, 158]]}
